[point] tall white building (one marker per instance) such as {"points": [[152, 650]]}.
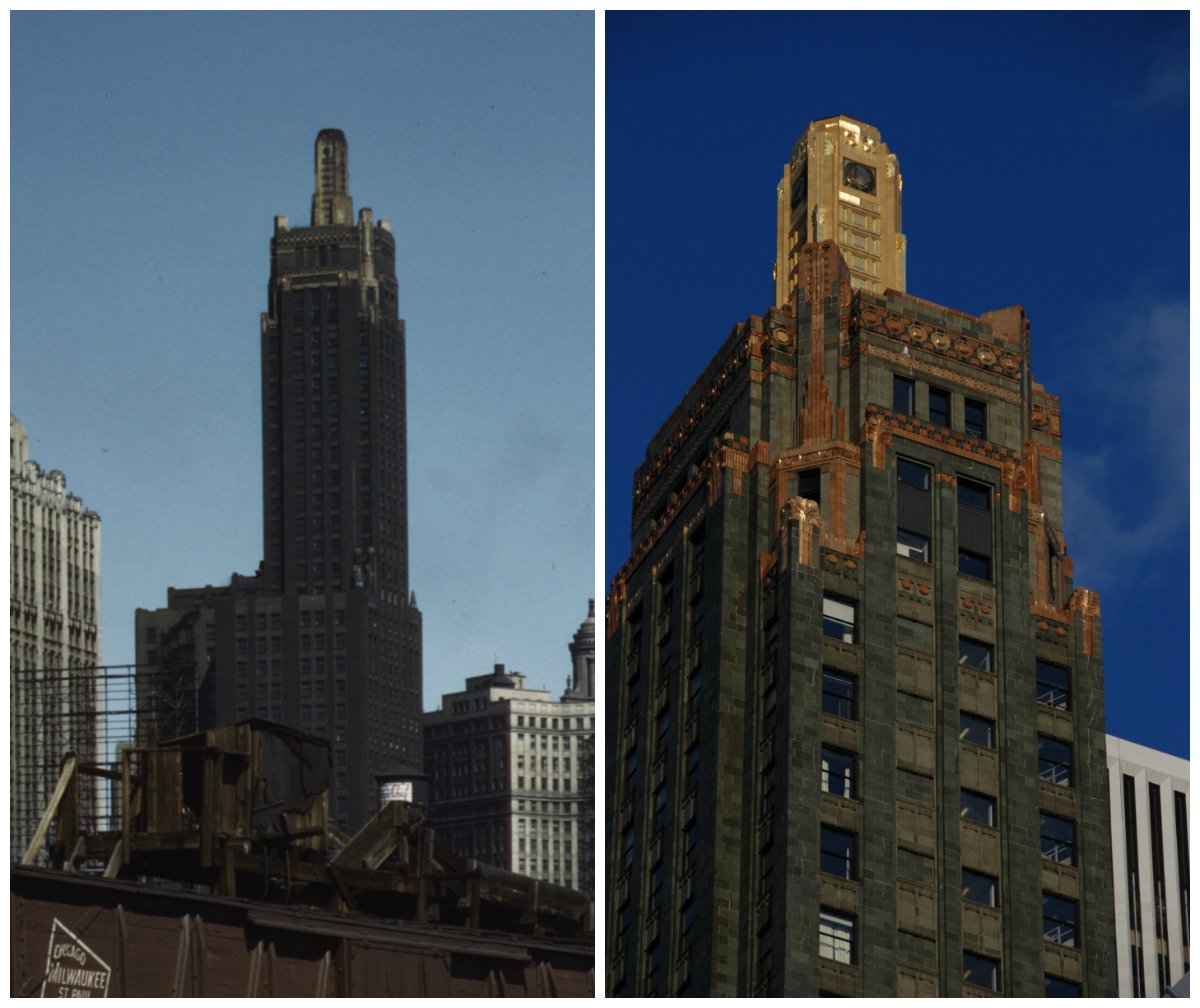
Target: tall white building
{"points": [[511, 771], [1148, 795], [54, 628]]}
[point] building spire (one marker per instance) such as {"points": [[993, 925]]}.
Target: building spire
{"points": [[331, 189]]}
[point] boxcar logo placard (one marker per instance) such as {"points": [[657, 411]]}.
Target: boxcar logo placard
{"points": [[72, 969]]}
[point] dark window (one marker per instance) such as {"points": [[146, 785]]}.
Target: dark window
{"points": [[975, 417], [1053, 685], [837, 852], [978, 807], [838, 621], [1054, 760], [902, 395], [974, 653], [1158, 870], [978, 730], [914, 509], [837, 772], [974, 529], [837, 694], [980, 888], [939, 407], [808, 484], [980, 971], [1181, 854], [1059, 917], [1058, 987], [837, 937], [1133, 886], [1058, 839]]}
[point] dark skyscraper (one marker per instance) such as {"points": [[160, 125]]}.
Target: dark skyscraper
{"points": [[326, 636], [855, 700]]}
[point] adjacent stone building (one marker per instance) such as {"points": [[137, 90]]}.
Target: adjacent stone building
{"points": [[54, 628], [855, 735], [1148, 792], [325, 636], [511, 771]]}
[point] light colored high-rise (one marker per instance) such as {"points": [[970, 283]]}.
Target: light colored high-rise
{"points": [[511, 770], [1148, 796], [54, 627]]}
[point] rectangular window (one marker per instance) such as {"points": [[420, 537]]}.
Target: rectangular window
{"points": [[1059, 917], [1058, 987], [837, 772], [939, 407], [978, 807], [1058, 839], [838, 621], [837, 937], [980, 971], [902, 395], [1183, 864], [837, 694], [1054, 760], [837, 853], [914, 509], [975, 418], [974, 529], [1053, 685], [808, 484], [974, 653], [1132, 874], [1158, 873], [977, 730], [980, 888]]}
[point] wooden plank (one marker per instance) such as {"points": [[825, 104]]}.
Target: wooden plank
{"points": [[64, 778]]}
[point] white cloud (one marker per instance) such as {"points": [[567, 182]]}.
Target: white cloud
{"points": [[1125, 467]]}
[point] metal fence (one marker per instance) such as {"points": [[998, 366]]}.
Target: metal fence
{"points": [[89, 712]]}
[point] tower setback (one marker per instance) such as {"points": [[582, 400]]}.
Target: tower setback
{"points": [[855, 701], [326, 636]]}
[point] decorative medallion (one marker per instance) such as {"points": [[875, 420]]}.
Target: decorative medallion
{"points": [[986, 356], [916, 332], [1010, 363], [941, 340]]}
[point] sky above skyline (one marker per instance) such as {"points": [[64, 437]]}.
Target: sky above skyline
{"points": [[1045, 163], [149, 156]]}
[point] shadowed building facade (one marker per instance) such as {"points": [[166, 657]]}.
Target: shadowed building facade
{"points": [[855, 702], [326, 636]]}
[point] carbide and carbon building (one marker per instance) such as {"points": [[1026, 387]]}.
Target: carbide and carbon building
{"points": [[512, 770], [855, 700], [326, 636]]}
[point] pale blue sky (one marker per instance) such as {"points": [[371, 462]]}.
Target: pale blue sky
{"points": [[150, 154]]}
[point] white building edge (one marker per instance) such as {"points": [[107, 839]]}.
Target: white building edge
{"points": [[1149, 796]]}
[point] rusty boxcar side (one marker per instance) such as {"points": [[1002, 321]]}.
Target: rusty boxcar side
{"points": [[79, 935]]}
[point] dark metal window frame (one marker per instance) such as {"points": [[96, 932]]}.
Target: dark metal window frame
{"points": [[839, 694], [979, 887], [1055, 761], [838, 850], [1060, 920]]}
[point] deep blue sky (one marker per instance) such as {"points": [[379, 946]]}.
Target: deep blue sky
{"points": [[149, 155], [1045, 163]]}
